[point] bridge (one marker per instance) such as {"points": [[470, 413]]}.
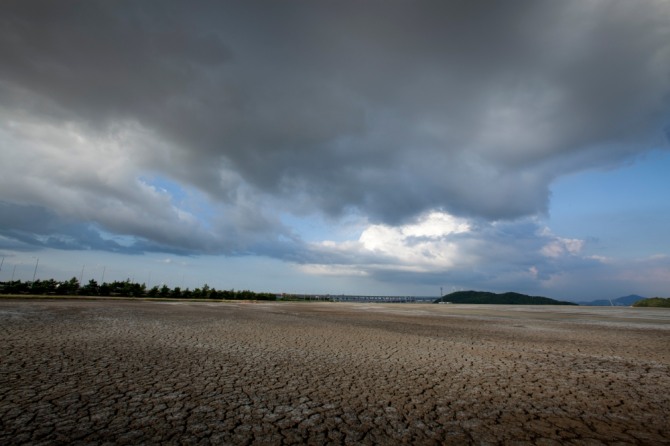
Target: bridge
{"points": [[356, 298]]}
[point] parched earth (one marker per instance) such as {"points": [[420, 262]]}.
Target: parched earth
{"points": [[139, 372]]}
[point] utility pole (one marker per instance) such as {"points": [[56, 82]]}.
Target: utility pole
{"points": [[35, 272]]}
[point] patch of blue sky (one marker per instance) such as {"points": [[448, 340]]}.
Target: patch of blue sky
{"points": [[188, 199], [625, 211], [316, 228], [121, 239], [175, 190]]}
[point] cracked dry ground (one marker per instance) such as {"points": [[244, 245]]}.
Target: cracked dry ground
{"points": [[132, 372]]}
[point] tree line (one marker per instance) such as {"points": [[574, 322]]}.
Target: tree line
{"points": [[125, 288]]}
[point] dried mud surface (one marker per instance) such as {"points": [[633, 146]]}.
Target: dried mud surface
{"points": [[133, 372]]}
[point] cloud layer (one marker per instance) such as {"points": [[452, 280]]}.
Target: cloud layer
{"points": [[455, 251], [384, 111]]}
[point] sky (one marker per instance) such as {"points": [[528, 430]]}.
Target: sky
{"points": [[350, 147]]}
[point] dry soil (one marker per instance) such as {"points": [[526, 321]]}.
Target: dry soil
{"points": [[137, 372]]}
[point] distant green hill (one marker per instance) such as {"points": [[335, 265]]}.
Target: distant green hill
{"points": [[484, 297], [653, 302]]}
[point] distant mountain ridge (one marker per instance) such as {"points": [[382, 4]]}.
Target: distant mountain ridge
{"points": [[625, 301], [485, 297]]}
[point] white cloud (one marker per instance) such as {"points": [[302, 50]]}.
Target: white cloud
{"points": [[423, 246], [561, 246], [462, 251]]}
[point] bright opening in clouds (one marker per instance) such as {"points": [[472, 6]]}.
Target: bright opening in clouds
{"points": [[366, 147]]}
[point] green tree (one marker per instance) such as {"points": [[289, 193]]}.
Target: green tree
{"points": [[165, 291], [90, 289], [69, 287]]}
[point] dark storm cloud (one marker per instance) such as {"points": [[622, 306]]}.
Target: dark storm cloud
{"points": [[26, 227], [387, 109]]}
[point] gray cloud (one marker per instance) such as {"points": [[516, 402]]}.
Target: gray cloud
{"points": [[25, 227], [387, 110]]}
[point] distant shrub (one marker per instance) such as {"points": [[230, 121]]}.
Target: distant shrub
{"points": [[654, 302], [126, 288]]}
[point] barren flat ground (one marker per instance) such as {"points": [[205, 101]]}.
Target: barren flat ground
{"points": [[139, 372]]}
